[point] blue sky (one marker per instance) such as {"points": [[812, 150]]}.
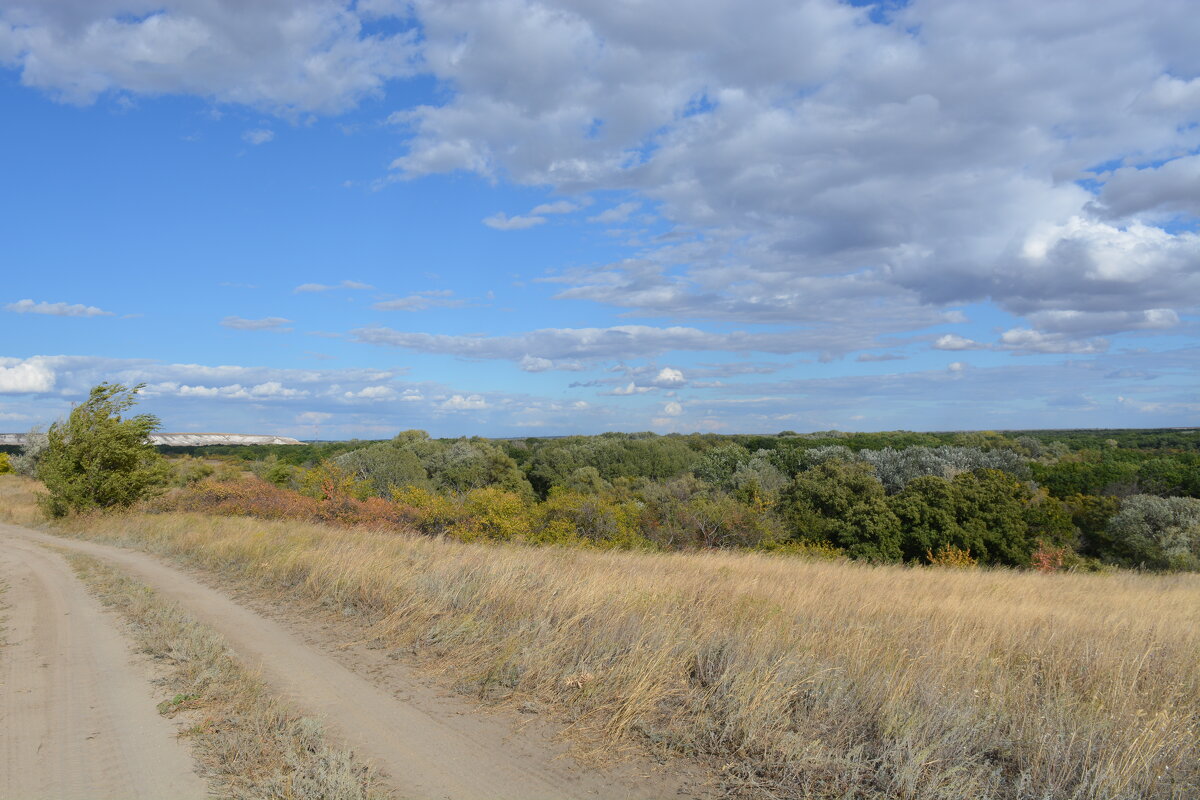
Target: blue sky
{"points": [[523, 218]]}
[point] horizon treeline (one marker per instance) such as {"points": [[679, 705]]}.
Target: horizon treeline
{"points": [[1049, 499]]}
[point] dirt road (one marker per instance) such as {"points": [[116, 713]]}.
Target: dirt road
{"points": [[429, 745], [77, 714]]}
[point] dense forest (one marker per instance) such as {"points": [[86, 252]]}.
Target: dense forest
{"points": [[1050, 499]]}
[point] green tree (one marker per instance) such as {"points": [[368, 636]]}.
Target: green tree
{"points": [[843, 504], [97, 459], [1155, 532]]}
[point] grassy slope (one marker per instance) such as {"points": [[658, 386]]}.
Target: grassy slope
{"points": [[819, 679]]}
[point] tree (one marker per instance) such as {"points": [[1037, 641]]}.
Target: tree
{"points": [[26, 462], [385, 467], [96, 459], [1155, 532], [843, 504]]}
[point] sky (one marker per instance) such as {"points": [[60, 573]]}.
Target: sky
{"points": [[332, 219]]}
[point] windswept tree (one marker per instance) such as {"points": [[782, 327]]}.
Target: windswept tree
{"points": [[98, 459]]}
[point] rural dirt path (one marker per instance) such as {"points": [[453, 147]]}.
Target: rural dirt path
{"points": [[77, 712], [431, 746]]}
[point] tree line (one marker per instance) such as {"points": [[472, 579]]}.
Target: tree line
{"points": [[1085, 499]]}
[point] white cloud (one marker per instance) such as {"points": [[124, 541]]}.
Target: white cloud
{"points": [[283, 57], [557, 207], [502, 222], [672, 409], [325, 287], [31, 376], [313, 417], [372, 393], [258, 136], [629, 389], [618, 213], [420, 302], [56, 309], [617, 342], [530, 363], [952, 341], [1028, 341], [468, 403], [786, 205], [264, 324], [669, 376]]}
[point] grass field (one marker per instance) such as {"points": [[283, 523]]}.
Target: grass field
{"points": [[801, 679]]}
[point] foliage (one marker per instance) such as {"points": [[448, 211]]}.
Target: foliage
{"points": [[96, 459], [186, 470], [330, 481], [1048, 559], [895, 468], [950, 556], [385, 467], [26, 462], [1155, 532], [885, 496], [843, 504], [5, 464]]}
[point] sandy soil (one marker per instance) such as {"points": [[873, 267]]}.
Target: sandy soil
{"points": [[430, 744], [77, 709]]}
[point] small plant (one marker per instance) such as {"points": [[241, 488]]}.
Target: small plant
{"points": [[1048, 559], [950, 556], [180, 702], [5, 465]]}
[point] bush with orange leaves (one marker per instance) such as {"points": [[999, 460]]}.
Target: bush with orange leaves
{"points": [[254, 497]]}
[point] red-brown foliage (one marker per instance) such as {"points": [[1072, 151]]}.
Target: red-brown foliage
{"points": [[254, 497]]}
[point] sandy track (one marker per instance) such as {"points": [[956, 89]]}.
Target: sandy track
{"points": [[430, 747], [77, 713]]}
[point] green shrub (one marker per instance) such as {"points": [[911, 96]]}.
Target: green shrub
{"points": [[96, 459]]}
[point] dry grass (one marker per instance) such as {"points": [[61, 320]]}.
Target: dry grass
{"points": [[252, 746], [805, 679], [18, 500]]}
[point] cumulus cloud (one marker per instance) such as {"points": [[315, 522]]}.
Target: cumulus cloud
{"points": [[1028, 341], [672, 409], [1161, 191], [264, 324], [56, 309], [459, 402], [284, 57], [787, 205], [373, 393], [502, 222], [952, 341], [31, 376]]}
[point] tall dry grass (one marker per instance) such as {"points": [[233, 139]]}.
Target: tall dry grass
{"points": [[804, 679], [18, 500]]}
